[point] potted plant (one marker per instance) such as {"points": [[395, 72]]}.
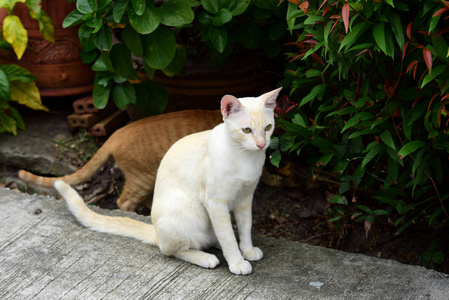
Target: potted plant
{"points": [[16, 83], [130, 42], [40, 44]]}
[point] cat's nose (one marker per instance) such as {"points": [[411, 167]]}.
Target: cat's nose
{"points": [[261, 145]]}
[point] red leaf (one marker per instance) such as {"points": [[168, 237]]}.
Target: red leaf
{"points": [[322, 4], [326, 10], [446, 3], [409, 30], [335, 17], [304, 6], [403, 50], [317, 58], [345, 15], [295, 1], [414, 71], [441, 11], [361, 52], [427, 58], [431, 100], [411, 65]]}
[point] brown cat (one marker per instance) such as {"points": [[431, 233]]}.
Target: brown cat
{"points": [[138, 149]]}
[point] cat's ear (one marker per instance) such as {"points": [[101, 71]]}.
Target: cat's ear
{"points": [[270, 98], [229, 105]]}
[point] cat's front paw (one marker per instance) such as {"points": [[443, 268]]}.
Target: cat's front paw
{"points": [[208, 261], [253, 254], [243, 268]]}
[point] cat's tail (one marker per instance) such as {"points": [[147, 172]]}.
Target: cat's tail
{"points": [[80, 176], [114, 225]]}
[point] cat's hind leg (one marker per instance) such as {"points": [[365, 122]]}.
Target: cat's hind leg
{"points": [[136, 190], [199, 258]]}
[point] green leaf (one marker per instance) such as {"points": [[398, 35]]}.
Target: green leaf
{"points": [[73, 18], [324, 160], [14, 113], [316, 90], [403, 227], [123, 95], [371, 154], [103, 63], [354, 33], [178, 62], [379, 37], [119, 9], [100, 94], [138, 6], [15, 34], [238, 7], [95, 24], [365, 209], [438, 257], [152, 97], [133, 41], [86, 6], [103, 38], [361, 116], [121, 61], [396, 26], [4, 86], [339, 199], [431, 76], [15, 72], [211, 6], [218, 37], [7, 123], [390, 2], [387, 139], [275, 158], [223, 16], [176, 13], [410, 147], [147, 22], [425, 258], [160, 48]]}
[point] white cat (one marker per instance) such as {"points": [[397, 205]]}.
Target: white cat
{"points": [[202, 178]]}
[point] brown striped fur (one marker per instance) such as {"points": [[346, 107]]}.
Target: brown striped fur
{"points": [[138, 149]]}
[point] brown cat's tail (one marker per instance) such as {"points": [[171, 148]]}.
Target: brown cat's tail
{"points": [[78, 177], [114, 225]]}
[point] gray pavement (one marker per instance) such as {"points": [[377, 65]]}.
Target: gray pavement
{"points": [[46, 254]]}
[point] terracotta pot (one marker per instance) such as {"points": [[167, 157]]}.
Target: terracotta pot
{"points": [[58, 66]]}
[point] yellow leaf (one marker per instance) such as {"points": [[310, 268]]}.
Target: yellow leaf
{"points": [[15, 34], [26, 94], [46, 27]]}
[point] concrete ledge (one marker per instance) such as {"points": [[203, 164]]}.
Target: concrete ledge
{"points": [[46, 254]]}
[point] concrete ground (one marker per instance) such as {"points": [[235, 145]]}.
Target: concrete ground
{"points": [[46, 254]]}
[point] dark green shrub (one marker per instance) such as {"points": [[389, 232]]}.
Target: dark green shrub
{"points": [[129, 40], [370, 79]]}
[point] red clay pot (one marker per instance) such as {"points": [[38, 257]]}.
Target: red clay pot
{"points": [[58, 66]]}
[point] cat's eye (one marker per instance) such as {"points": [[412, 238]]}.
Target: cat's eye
{"points": [[268, 127], [246, 130]]}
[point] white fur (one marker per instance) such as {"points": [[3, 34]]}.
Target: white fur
{"points": [[202, 178]]}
